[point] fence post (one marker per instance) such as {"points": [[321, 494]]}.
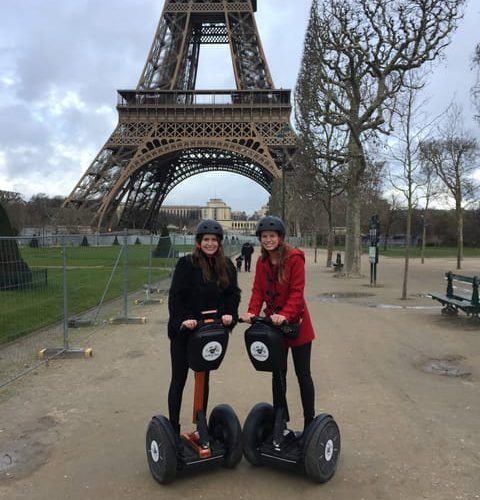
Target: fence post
{"points": [[148, 287], [125, 319], [125, 273], [66, 351], [65, 295]]}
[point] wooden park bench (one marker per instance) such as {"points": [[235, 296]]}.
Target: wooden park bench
{"points": [[455, 299]]}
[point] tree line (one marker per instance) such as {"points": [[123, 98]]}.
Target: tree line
{"points": [[364, 134]]}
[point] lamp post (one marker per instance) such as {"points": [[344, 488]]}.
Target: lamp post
{"points": [[373, 249]]}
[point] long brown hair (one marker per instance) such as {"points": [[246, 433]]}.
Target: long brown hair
{"points": [[283, 250], [216, 265]]}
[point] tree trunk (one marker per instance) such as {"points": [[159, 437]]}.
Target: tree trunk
{"points": [[407, 252], [459, 213], [352, 238], [424, 237], [330, 246]]}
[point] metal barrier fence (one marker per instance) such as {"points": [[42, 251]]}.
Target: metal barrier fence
{"points": [[57, 291]]}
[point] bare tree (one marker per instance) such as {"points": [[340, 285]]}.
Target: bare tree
{"points": [[319, 178], [429, 191], [476, 86], [364, 49], [453, 155], [322, 157], [390, 217], [405, 174]]}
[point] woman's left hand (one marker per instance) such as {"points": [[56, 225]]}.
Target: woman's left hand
{"points": [[277, 319], [227, 320]]}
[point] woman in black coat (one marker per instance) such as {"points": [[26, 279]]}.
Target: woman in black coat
{"points": [[204, 281]]}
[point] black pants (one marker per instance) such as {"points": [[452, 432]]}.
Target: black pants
{"points": [[301, 361], [248, 261], [179, 364]]}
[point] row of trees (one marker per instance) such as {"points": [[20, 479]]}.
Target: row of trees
{"points": [[362, 125], [440, 226], [42, 211]]}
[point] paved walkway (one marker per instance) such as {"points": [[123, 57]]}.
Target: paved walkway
{"points": [[76, 429]]}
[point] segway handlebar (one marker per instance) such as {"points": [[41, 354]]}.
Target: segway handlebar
{"points": [[285, 327], [207, 321]]}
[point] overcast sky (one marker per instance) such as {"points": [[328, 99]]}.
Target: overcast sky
{"points": [[61, 62]]}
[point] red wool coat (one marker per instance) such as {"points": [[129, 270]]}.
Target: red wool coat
{"points": [[286, 298]]}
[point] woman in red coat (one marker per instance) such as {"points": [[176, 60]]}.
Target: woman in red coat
{"points": [[279, 284]]}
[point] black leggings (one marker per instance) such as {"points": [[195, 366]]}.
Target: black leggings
{"points": [[179, 363], [301, 361]]}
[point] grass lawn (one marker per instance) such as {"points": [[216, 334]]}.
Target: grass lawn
{"points": [[430, 252], [89, 269]]}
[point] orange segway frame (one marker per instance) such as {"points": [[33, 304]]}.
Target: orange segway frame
{"points": [[198, 402]]}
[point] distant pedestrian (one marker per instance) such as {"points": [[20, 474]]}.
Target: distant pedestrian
{"points": [[247, 251], [239, 261]]}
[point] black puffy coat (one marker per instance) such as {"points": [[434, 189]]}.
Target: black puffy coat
{"points": [[190, 294]]}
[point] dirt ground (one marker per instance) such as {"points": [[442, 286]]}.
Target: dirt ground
{"points": [[76, 429]]}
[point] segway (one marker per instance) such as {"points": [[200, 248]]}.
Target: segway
{"points": [[216, 443], [265, 437]]}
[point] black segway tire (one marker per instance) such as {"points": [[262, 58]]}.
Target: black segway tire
{"points": [[321, 448], [258, 426], [224, 427], [161, 450]]}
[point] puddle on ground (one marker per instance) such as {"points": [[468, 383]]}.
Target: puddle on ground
{"points": [[344, 296], [449, 366], [396, 306]]}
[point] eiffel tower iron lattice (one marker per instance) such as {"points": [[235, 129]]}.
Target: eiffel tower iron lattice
{"points": [[168, 131]]}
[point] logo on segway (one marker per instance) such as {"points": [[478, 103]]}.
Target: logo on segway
{"points": [[212, 351], [259, 351]]}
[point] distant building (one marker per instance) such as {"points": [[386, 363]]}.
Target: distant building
{"points": [[244, 226], [183, 211], [215, 209], [218, 210]]}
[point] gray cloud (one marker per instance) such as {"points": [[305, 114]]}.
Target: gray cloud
{"points": [[61, 63]]}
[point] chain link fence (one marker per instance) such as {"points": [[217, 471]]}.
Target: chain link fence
{"points": [[57, 291]]}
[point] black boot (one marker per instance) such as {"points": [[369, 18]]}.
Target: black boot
{"points": [[306, 422], [178, 440]]}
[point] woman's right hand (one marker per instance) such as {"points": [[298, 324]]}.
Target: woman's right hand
{"points": [[245, 317], [190, 324]]}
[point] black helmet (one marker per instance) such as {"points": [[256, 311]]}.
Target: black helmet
{"points": [[209, 226], [270, 223]]}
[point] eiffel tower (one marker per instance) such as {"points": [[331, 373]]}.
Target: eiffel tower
{"points": [[168, 131]]}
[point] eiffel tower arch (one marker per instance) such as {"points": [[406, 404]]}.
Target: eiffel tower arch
{"points": [[168, 130]]}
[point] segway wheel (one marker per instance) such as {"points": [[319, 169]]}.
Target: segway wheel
{"points": [[161, 450], [321, 448], [258, 426], [224, 427]]}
